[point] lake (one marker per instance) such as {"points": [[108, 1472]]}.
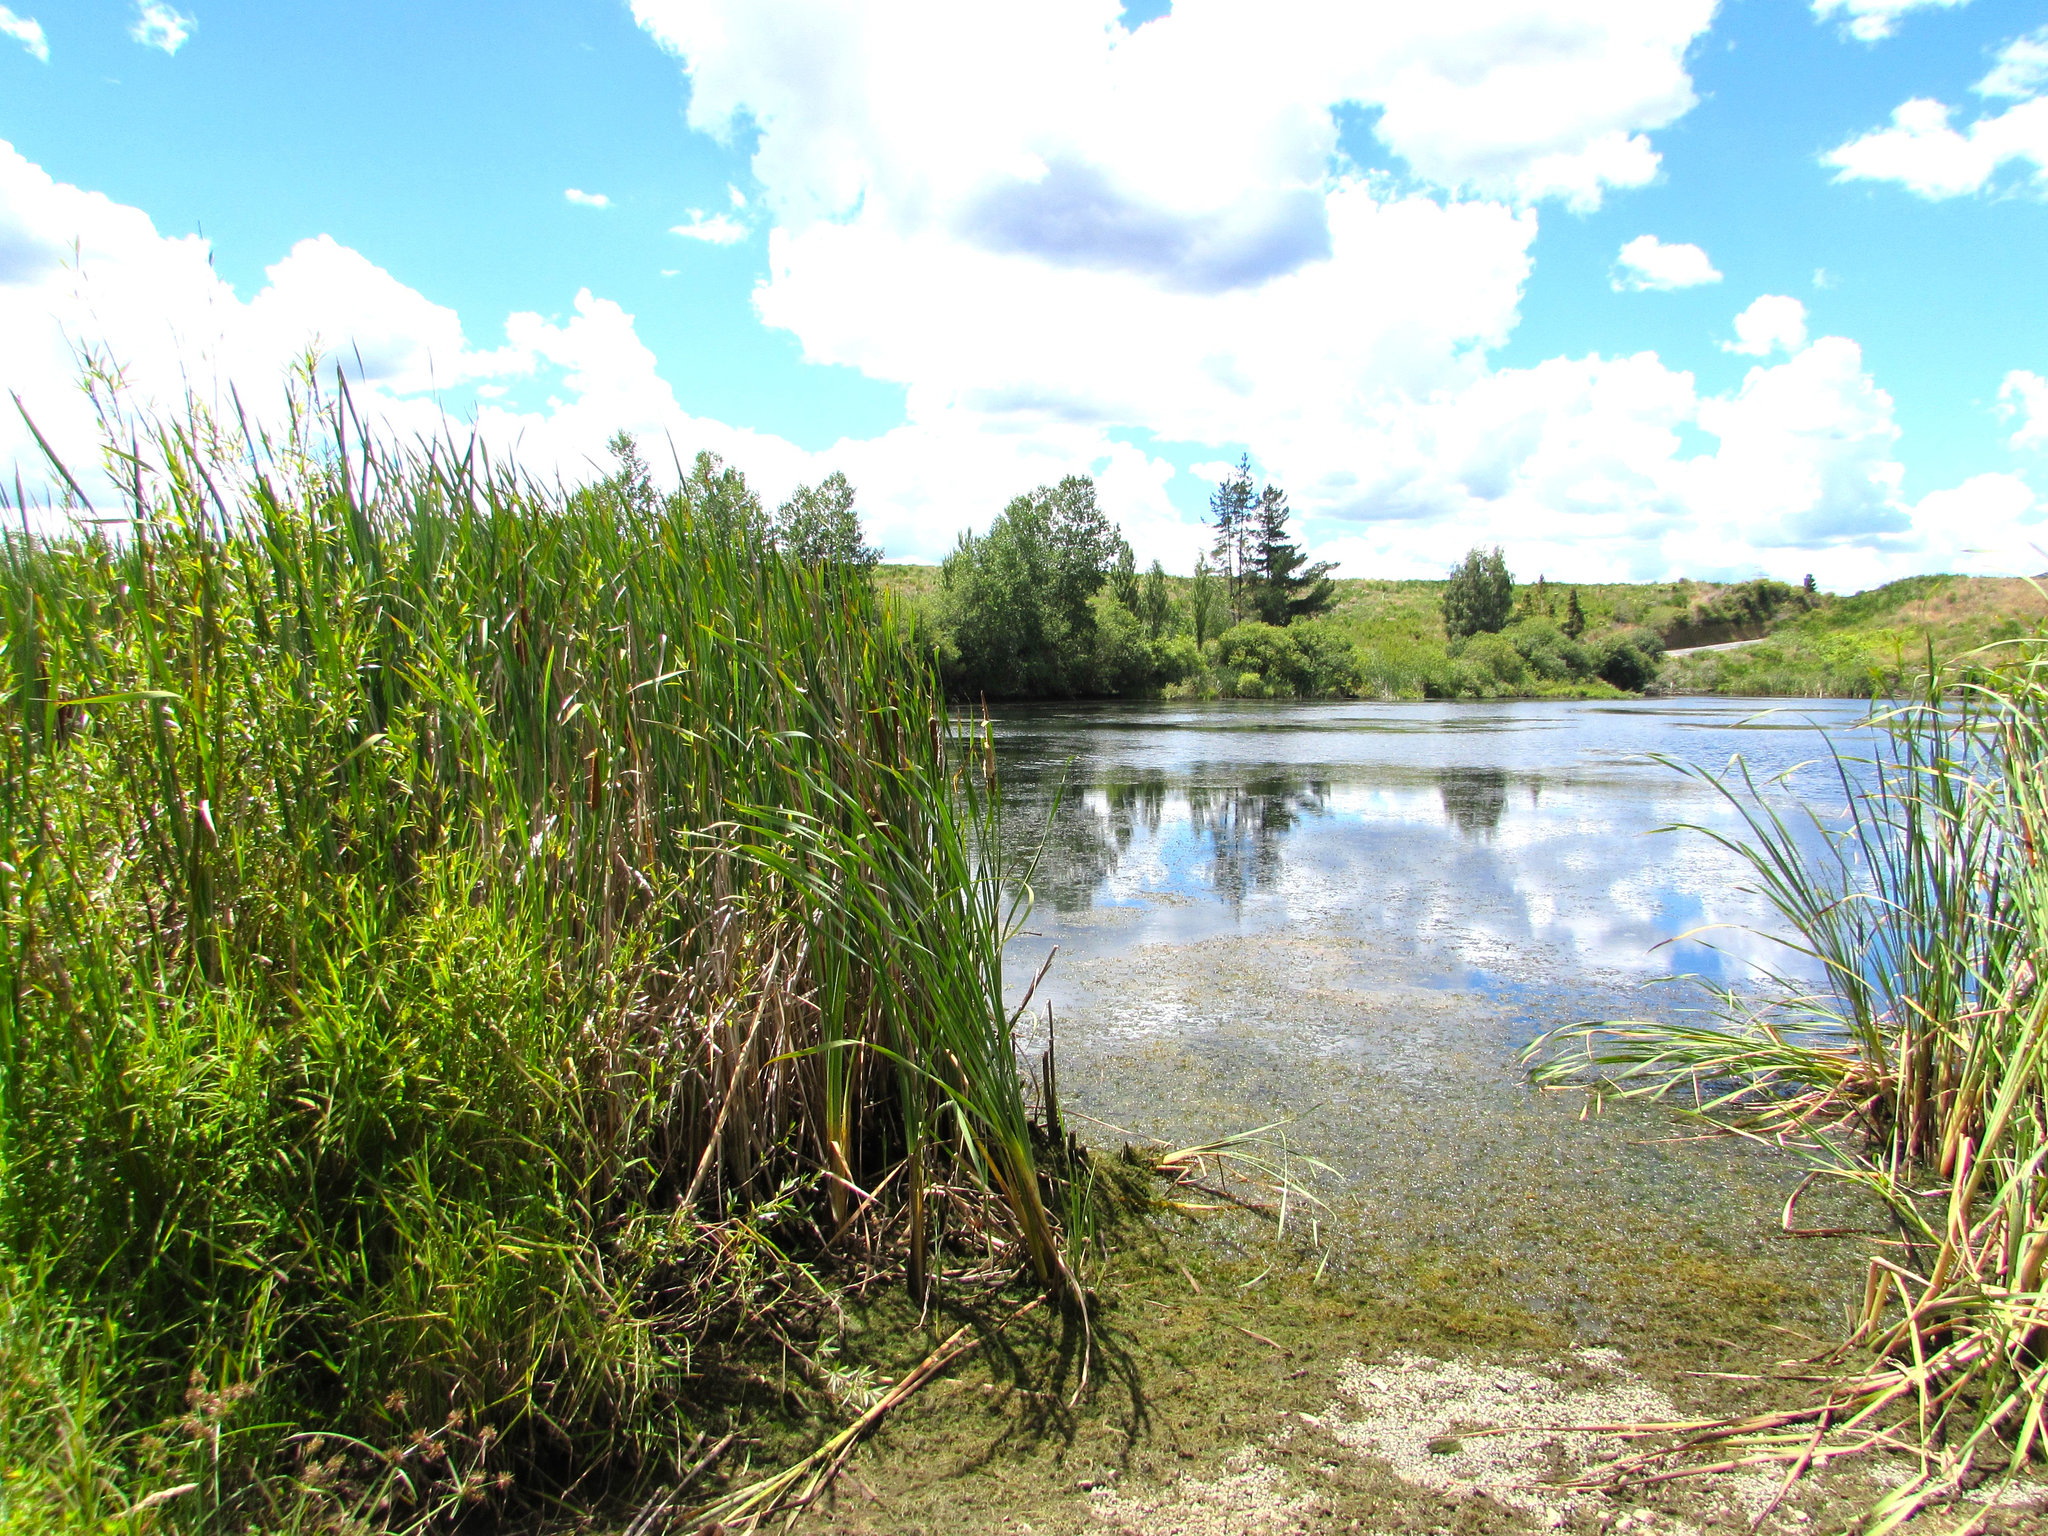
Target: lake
{"points": [[1356, 914]]}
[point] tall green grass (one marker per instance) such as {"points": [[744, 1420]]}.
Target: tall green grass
{"points": [[461, 944], [1918, 1072]]}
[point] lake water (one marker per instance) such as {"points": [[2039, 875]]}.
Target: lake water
{"points": [[1356, 914]]}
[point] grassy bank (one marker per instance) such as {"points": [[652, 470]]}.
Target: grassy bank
{"points": [[481, 964]]}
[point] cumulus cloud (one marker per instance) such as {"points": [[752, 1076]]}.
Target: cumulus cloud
{"points": [[712, 228], [1925, 153], [2021, 70], [1871, 20], [1772, 323], [158, 25], [584, 199], [1058, 106], [27, 31], [2023, 399], [1648, 263]]}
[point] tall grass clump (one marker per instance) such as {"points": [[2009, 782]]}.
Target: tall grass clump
{"points": [[469, 952], [1917, 1073]]}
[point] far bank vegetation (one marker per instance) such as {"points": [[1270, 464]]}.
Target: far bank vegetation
{"points": [[1049, 603]]}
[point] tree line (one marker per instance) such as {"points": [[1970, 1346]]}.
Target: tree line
{"points": [[1049, 603]]}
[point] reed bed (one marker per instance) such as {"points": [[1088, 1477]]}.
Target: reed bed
{"points": [[1917, 1074], [473, 952]]}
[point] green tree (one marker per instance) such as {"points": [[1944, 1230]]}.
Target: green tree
{"points": [[1123, 579], [1155, 602], [1480, 595], [818, 526], [630, 482], [1205, 598], [1230, 511], [717, 494], [1574, 616], [1284, 586], [1017, 603]]}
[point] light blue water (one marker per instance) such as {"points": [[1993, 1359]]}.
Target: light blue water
{"points": [[1500, 846]]}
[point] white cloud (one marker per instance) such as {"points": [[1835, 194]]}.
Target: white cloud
{"points": [[1054, 129], [2023, 400], [1923, 152], [739, 198], [1871, 20], [713, 229], [158, 25], [1648, 263], [1771, 323], [1989, 525], [584, 199], [2021, 70], [27, 31]]}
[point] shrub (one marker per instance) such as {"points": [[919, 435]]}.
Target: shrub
{"points": [[1495, 656], [1629, 658], [1550, 653]]}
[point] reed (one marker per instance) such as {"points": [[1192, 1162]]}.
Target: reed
{"points": [[1918, 1073], [470, 949]]}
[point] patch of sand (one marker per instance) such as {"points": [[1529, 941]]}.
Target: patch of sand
{"points": [[1420, 1417]]}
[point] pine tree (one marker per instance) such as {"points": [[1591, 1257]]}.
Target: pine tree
{"points": [[1574, 616], [1480, 595], [1284, 586], [1230, 506]]}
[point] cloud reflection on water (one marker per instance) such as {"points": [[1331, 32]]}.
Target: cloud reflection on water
{"points": [[1507, 847]]}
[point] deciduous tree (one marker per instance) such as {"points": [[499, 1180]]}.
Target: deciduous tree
{"points": [[818, 526]]}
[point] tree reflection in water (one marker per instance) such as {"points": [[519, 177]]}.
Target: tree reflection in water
{"points": [[1246, 824], [1474, 799], [1093, 826], [1091, 830]]}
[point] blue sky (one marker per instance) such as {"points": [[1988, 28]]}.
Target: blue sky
{"points": [[975, 248]]}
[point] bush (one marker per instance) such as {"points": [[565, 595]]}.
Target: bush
{"points": [[1496, 658], [1120, 657], [1629, 658], [1263, 652], [1175, 659], [1303, 661], [1550, 653], [1329, 661]]}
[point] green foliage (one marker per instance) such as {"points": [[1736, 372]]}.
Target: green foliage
{"points": [[1260, 660], [1016, 614], [1479, 596], [1629, 658], [1574, 616], [818, 526], [448, 926], [1208, 604], [1155, 602]]}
